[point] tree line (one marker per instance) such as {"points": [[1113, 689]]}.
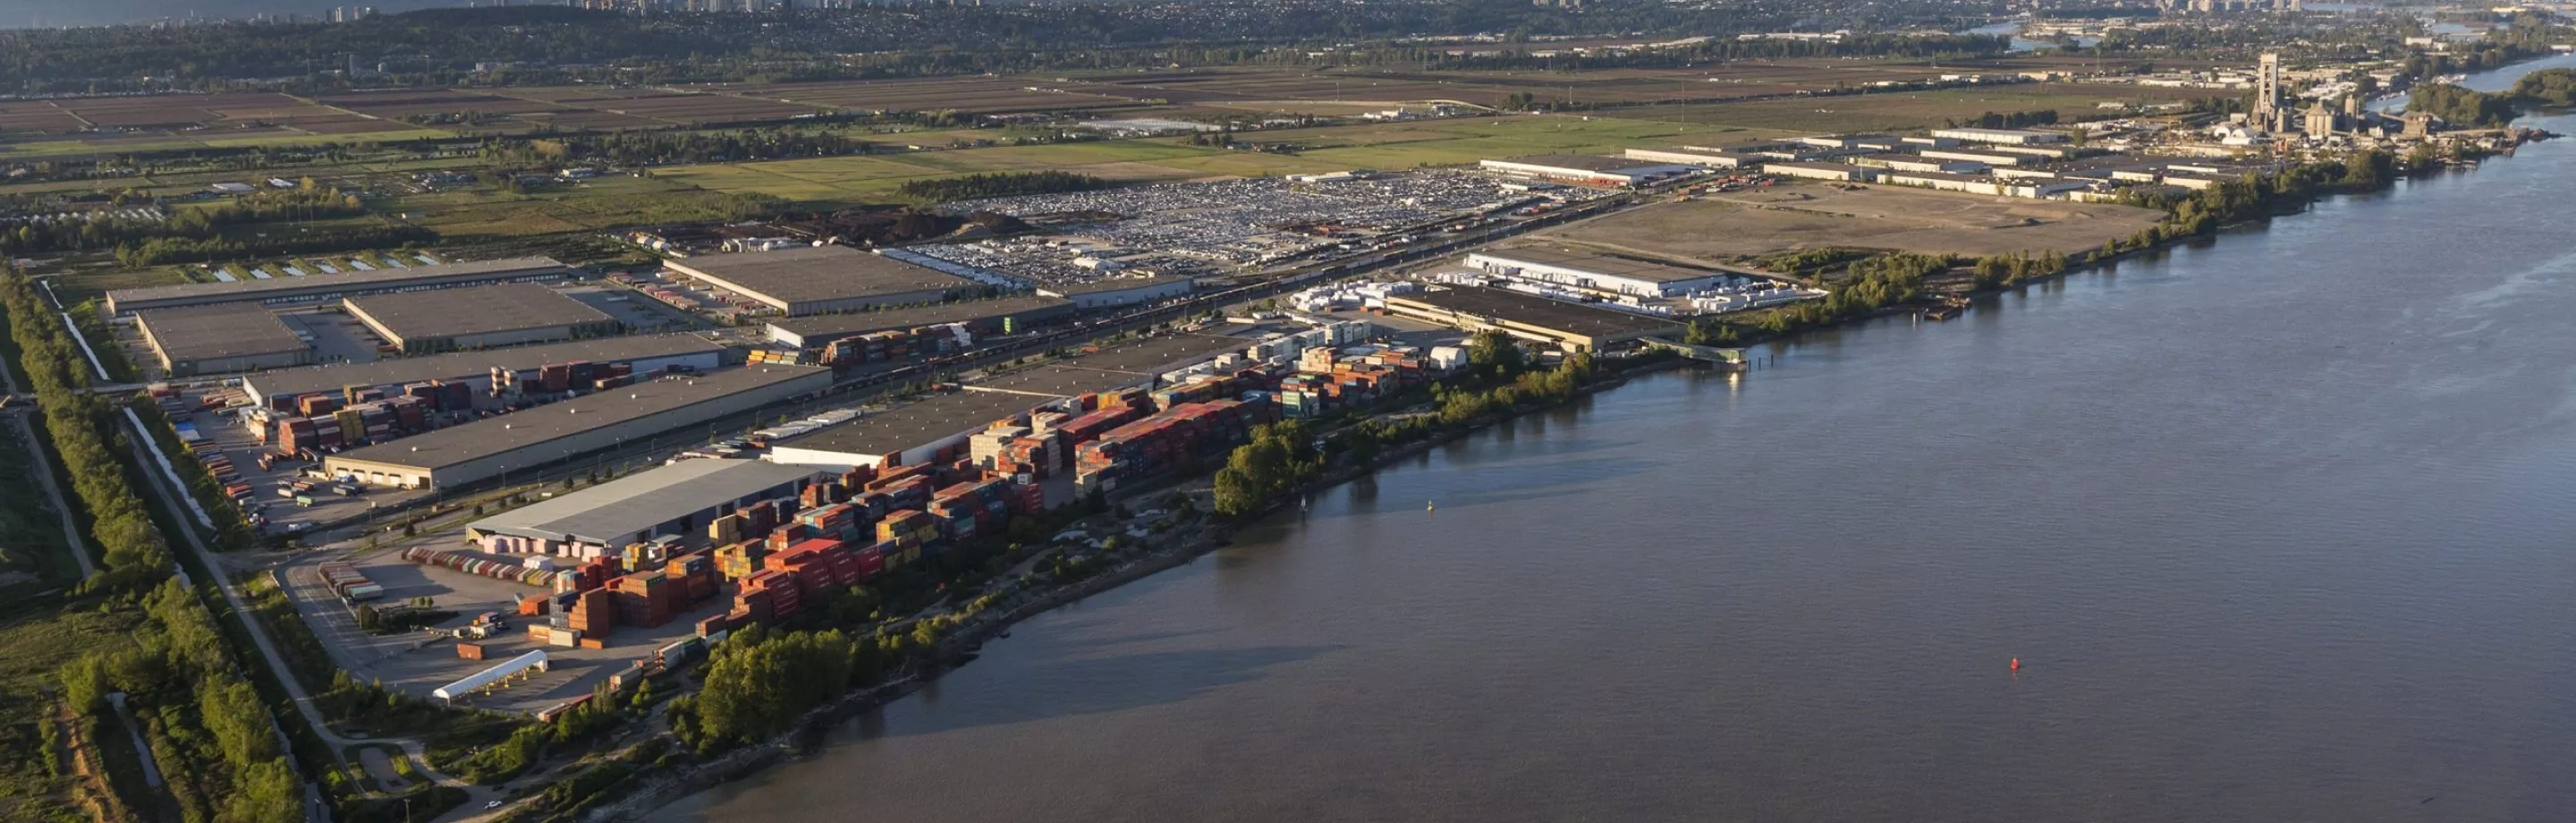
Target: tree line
{"points": [[134, 553], [998, 184]]}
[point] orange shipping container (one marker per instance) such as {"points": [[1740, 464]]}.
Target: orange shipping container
{"points": [[593, 643], [469, 651]]}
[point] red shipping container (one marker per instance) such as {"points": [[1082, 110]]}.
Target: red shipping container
{"points": [[871, 563]]}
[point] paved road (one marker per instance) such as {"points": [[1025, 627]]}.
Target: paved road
{"points": [[159, 489]]}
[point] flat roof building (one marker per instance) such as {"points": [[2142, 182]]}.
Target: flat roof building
{"points": [[2015, 137], [1916, 163], [905, 435], [1573, 326], [1596, 272], [821, 279], [1703, 158], [495, 446], [645, 353], [1988, 157], [478, 317], [674, 500], [1001, 314], [1818, 171], [911, 434], [314, 288], [213, 339], [1587, 169], [1120, 291]]}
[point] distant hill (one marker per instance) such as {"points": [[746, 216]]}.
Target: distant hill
{"points": [[49, 13]]}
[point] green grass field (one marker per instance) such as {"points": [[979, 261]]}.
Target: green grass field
{"points": [[875, 178], [40, 149]]}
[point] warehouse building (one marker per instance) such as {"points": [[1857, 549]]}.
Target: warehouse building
{"points": [[1596, 273], [494, 447], [821, 279], [1120, 291], [646, 354], [2008, 137], [1589, 170], [323, 288], [911, 434], [480, 317], [1991, 158], [214, 339], [1916, 163], [1819, 171], [674, 500], [905, 435], [1568, 325], [1005, 315], [1703, 158]]}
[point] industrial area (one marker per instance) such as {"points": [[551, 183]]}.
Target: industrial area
{"points": [[774, 415]]}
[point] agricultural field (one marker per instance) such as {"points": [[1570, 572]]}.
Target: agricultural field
{"points": [[874, 178], [178, 121], [485, 214], [564, 108], [1745, 225], [964, 95]]}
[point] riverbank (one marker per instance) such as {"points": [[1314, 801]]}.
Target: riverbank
{"points": [[959, 645]]}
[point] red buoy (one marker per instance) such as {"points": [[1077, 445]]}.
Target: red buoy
{"points": [[2016, 664]]}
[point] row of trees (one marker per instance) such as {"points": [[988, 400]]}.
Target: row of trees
{"points": [[1281, 456], [998, 184], [656, 148], [134, 553], [165, 250], [208, 728]]}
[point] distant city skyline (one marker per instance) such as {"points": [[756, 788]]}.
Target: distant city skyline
{"points": [[60, 13], [63, 13]]}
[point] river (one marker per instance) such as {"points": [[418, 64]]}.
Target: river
{"points": [[2276, 524]]}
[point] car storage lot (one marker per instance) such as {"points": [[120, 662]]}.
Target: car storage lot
{"points": [[419, 662]]}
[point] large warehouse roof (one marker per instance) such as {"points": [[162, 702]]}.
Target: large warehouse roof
{"points": [[500, 307], [641, 501], [1628, 267], [201, 333], [834, 326], [814, 273], [1538, 311], [907, 426], [475, 363], [457, 445], [352, 281], [1586, 162]]}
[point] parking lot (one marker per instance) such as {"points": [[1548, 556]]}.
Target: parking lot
{"points": [[637, 310], [1236, 224], [420, 661], [282, 514], [337, 338]]}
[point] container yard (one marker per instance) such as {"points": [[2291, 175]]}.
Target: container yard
{"points": [[678, 499], [644, 354]]}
